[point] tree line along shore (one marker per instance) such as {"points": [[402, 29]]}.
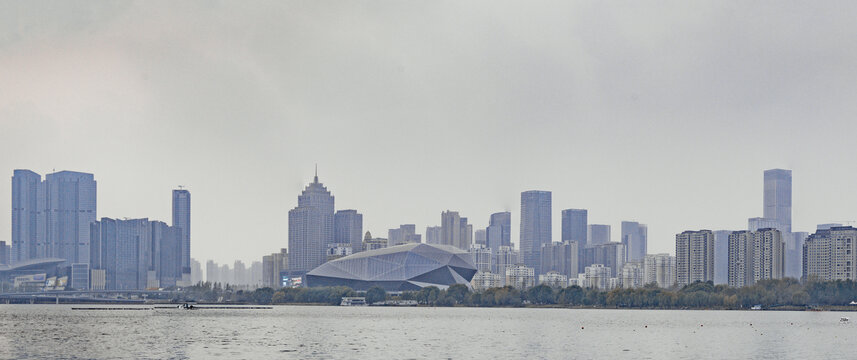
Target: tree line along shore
{"points": [[785, 294]]}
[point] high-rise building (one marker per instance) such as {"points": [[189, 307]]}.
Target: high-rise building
{"points": [[754, 256], [256, 274], [504, 257], [694, 252], [659, 269], [756, 223], [273, 266], [166, 255], [135, 254], [239, 271], [831, 254], [535, 225], [632, 275], [26, 212], [561, 258], [598, 234], [310, 228], [51, 218], [635, 238], [450, 223], [212, 272], [5, 252], [455, 231], [70, 206], [794, 254], [499, 231], [596, 276], [181, 220], [481, 256], [405, 234], [574, 225], [480, 237], [196, 274], [123, 249], [721, 256], [778, 198], [611, 255], [348, 229], [433, 235]]}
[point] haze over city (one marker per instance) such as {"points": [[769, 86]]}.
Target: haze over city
{"points": [[663, 114]]}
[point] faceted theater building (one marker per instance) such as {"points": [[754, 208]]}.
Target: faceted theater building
{"points": [[397, 268]]}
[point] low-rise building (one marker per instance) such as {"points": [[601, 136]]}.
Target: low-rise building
{"points": [[520, 277], [486, 280], [553, 279]]}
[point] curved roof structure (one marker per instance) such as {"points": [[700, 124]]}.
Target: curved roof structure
{"points": [[397, 268], [33, 264]]}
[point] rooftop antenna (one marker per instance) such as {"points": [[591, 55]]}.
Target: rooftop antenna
{"points": [[316, 172]]}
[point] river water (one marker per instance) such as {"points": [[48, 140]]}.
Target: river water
{"points": [[333, 332]]}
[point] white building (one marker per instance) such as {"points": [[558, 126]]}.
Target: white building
{"points": [[754, 256], [831, 254], [486, 280], [632, 275], [553, 279], [596, 276], [659, 269], [520, 277], [481, 257], [694, 253]]}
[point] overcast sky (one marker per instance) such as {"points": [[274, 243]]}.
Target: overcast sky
{"points": [[665, 113]]}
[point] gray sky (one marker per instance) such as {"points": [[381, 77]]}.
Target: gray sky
{"points": [[661, 112]]}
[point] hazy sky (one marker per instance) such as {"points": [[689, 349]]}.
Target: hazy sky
{"points": [[660, 112]]}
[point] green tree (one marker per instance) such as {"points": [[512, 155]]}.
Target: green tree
{"points": [[459, 293], [375, 294]]}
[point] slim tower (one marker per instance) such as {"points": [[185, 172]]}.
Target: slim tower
{"points": [[535, 225]]}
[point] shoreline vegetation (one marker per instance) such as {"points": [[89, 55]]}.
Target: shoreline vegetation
{"points": [[782, 294]]}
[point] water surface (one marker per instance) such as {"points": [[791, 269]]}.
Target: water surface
{"points": [[332, 332]]}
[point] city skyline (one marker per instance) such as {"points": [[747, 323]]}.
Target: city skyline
{"points": [[409, 113], [556, 233]]}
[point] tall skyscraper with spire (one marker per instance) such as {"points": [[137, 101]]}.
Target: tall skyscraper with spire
{"points": [[311, 228]]}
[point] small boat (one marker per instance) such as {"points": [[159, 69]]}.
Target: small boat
{"points": [[353, 301], [186, 306], [844, 319], [756, 307]]}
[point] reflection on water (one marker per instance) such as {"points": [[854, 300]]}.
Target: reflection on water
{"points": [[56, 331]]}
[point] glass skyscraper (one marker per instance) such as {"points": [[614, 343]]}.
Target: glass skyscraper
{"points": [[635, 238], [499, 231], [574, 225], [535, 226], [778, 198], [348, 229], [26, 210], [50, 218], [181, 220]]}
